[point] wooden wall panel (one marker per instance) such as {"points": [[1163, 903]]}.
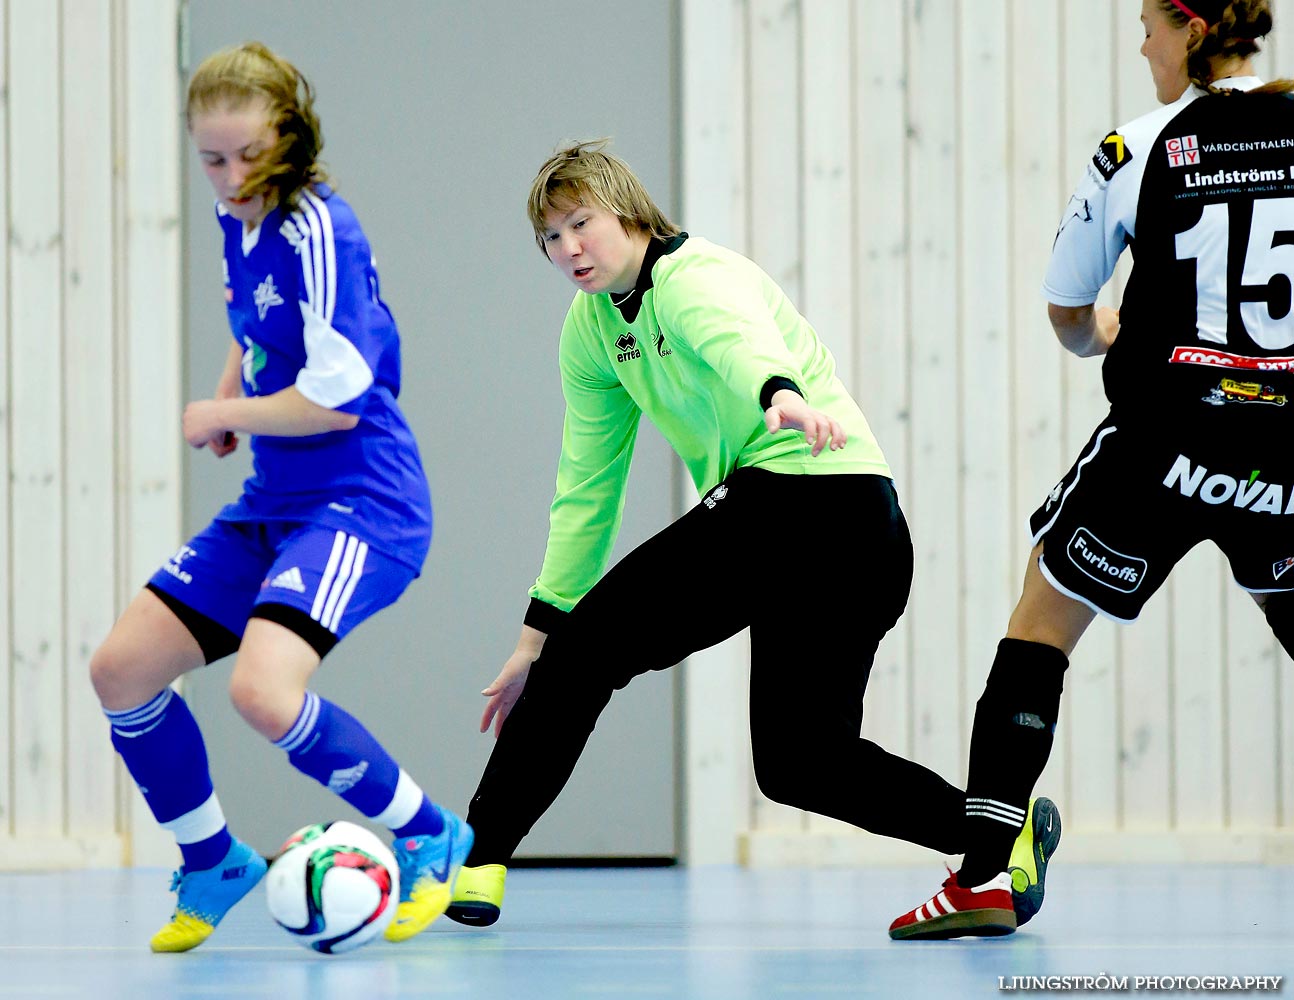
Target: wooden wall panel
{"points": [[776, 207], [89, 296], [880, 288], [985, 528], [968, 126], [6, 424], [932, 500], [1090, 718], [80, 76], [1039, 456], [36, 475]]}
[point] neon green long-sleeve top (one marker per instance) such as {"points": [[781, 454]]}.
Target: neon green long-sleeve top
{"points": [[711, 330]]}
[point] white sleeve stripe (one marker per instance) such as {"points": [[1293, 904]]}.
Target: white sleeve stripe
{"points": [[318, 255], [313, 257], [307, 272], [326, 254], [330, 244], [318, 260]]}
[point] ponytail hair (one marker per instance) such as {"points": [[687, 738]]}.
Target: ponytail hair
{"points": [[1234, 28]]}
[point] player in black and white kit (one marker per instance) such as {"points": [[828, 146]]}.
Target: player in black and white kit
{"points": [[1199, 372]]}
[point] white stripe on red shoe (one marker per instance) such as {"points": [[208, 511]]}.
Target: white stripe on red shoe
{"points": [[956, 912]]}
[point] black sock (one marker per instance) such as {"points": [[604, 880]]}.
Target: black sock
{"points": [[1015, 721]]}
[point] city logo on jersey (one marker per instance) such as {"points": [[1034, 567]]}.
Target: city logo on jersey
{"points": [[714, 496], [253, 361], [1252, 494], [661, 349], [628, 345], [1120, 572], [1279, 567], [266, 295], [1184, 151], [1230, 390], [1225, 359], [173, 564], [1111, 155]]}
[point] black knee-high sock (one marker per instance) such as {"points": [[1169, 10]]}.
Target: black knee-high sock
{"points": [[1015, 721]]}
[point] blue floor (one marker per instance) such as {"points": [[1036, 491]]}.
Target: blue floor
{"points": [[705, 933]]}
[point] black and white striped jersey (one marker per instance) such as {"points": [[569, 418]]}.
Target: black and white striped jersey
{"points": [[1202, 192]]}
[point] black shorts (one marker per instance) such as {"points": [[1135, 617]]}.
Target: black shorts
{"points": [[1130, 508]]}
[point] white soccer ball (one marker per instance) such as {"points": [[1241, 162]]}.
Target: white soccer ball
{"points": [[333, 886]]}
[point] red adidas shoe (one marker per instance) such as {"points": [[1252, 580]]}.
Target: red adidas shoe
{"points": [[954, 912]]}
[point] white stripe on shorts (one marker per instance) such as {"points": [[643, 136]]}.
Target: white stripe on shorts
{"points": [[325, 584], [340, 581]]}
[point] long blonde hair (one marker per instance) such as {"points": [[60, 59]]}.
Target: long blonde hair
{"points": [[250, 73]]}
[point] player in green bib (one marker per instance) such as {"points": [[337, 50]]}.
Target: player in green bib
{"points": [[798, 535]]}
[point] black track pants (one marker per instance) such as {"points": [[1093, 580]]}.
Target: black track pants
{"points": [[819, 567]]}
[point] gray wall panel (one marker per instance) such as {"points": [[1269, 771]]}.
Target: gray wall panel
{"points": [[436, 115]]}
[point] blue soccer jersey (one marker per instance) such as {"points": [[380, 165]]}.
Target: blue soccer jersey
{"points": [[304, 306]]}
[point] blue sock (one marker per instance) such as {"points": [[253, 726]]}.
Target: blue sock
{"points": [[331, 746], [163, 751]]}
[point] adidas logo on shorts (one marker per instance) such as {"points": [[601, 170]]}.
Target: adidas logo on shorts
{"points": [[290, 579]]}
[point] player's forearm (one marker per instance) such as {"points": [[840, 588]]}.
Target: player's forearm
{"points": [[231, 379], [1077, 330], [286, 413]]}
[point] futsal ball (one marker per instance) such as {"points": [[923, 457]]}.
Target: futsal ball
{"points": [[333, 886]]}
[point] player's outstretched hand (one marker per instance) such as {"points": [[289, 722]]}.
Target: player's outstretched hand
{"points": [[505, 689], [790, 411]]}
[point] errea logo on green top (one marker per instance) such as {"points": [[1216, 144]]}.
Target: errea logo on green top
{"points": [[628, 345]]}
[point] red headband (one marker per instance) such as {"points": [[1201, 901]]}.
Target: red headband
{"points": [[1187, 10]]}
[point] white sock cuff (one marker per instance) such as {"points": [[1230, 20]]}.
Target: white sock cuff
{"points": [[304, 727], [141, 716], [198, 824], [404, 804]]}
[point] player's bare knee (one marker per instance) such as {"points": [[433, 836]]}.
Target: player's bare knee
{"points": [[114, 673], [268, 707]]}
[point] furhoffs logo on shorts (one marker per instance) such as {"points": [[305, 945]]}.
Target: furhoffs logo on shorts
{"points": [[1114, 569]]}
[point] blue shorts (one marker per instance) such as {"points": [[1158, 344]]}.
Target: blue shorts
{"points": [[232, 568]]}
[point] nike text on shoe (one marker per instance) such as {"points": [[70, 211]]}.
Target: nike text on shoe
{"points": [[204, 897], [428, 868], [478, 895], [956, 912], [1032, 850]]}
